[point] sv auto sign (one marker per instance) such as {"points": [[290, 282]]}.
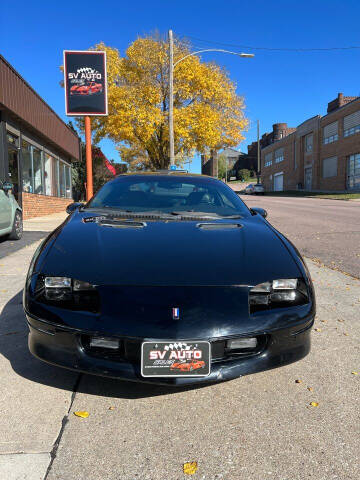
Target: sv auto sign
{"points": [[85, 83]]}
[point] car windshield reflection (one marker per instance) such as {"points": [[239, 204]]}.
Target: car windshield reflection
{"points": [[170, 197]]}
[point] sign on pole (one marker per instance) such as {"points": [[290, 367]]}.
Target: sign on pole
{"points": [[85, 82]]}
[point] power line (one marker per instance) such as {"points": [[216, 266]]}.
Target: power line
{"points": [[282, 49]]}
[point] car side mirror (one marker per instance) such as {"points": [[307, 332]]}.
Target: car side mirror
{"points": [[259, 211], [73, 206], [7, 186]]}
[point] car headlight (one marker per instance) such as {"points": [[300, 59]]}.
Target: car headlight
{"points": [[67, 293], [278, 293], [57, 282], [65, 283]]}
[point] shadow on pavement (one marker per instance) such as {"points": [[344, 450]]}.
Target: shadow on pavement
{"points": [[10, 246], [14, 347]]}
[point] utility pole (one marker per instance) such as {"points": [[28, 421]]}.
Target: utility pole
{"points": [[172, 65], [171, 98], [258, 152]]}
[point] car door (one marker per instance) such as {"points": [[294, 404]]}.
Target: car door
{"points": [[5, 210]]}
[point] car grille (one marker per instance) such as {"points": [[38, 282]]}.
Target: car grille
{"points": [[130, 350]]}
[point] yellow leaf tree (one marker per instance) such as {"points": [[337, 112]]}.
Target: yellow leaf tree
{"points": [[208, 114]]}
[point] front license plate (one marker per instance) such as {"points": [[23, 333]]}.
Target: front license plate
{"points": [[175, 359]]}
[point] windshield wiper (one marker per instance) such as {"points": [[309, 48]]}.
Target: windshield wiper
{"points": [[191, 213], [116, 212]]}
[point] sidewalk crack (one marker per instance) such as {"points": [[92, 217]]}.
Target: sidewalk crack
{"points": [[63, 424]]}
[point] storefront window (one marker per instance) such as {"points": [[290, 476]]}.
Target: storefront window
{"points": [[12, 140], [55, 190], [62, 179], [44, 174], [27, 171], [48, 174], [68, 181], [38, 171]]}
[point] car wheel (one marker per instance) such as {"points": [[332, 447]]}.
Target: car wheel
{"points": [[17, 229]]}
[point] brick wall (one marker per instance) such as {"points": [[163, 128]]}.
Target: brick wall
{"points": [[40, 205], [341, 149], [291, 176], [296, 159]]}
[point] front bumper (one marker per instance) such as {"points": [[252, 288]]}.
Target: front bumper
{"points": [[63, 346]]}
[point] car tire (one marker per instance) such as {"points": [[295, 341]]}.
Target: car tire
{"points": [[17, 228]]}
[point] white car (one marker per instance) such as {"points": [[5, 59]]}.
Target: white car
{"points": [[258, 189]]}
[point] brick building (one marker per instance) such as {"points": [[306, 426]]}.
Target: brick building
{"points": [[322, 153], [36, 147], [237, 161]]}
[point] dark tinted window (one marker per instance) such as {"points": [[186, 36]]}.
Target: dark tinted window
{"points": [[168, 194]]}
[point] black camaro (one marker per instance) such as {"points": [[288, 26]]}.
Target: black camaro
{"points": [[168, 278]]}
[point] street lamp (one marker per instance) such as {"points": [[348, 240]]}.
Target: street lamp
{"points": [[171, 89]]}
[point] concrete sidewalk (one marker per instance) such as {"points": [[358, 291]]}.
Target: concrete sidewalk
{"points": [[44, 224], [34, 397]]}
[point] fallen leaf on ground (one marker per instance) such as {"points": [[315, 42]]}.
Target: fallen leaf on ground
{"points": [[317, 329], [298, 381], [340, 320], [314, 404], [346, 334], [323, 321], [354, 373], [82, 414], [310, 389], [111, 408], [190, 468]]}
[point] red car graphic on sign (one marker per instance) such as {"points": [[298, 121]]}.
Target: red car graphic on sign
{"points": [[189, 366], [89, 89]]}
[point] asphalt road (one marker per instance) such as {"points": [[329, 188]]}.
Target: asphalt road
{"points": [[10, 246], [325, 230]]}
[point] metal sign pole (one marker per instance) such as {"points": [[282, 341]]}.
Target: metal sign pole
{"points": [[89, 175]]}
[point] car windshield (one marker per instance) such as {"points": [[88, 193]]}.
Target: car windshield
{"points": [[174, 195]]}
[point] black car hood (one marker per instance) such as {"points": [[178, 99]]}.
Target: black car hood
{"points": [[169, 253]]}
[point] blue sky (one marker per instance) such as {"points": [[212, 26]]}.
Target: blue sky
{"points": [[279, 86]]}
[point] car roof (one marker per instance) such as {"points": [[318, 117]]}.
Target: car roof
{"points": [[164, 173]]}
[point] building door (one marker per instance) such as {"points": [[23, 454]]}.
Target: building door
{"points": [[14, 173], [308, 179], [279, 182]]}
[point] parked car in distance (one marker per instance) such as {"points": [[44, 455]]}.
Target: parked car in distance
{"points": [[10, 213], [258, 189], [249, 189]]}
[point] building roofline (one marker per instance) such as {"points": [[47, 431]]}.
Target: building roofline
{"points": [[308, 120], [36, 94], [318, 116], [357, 99]]}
